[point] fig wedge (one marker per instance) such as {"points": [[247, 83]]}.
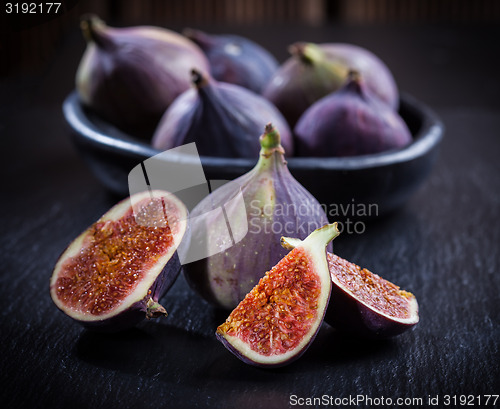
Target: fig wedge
{"points": [[280, 317], [364, 303], [367, 304]]}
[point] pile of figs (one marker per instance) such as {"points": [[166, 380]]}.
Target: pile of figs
{"points": [[327, 100], [260, 245]]}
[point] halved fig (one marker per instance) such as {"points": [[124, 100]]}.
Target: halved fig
{"points": [[365, 303], [280, 317], [112, 275]]}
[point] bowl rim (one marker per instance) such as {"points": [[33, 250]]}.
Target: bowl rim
{"points": [[428, 136]]}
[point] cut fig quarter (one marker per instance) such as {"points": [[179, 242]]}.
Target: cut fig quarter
{"points": [[113, 274], [366, 304], [280, 317], [363, 302]]}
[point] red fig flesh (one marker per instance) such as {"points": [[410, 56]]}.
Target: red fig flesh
{"points": [[350, 122], [365, 303], [280, 317], [129, 76], [113, 274]]}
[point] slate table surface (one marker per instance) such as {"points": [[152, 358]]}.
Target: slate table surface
{"points": [[443, 245]]}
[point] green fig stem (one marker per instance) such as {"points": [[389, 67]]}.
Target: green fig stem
{"points": [[198, 79], [309, 53], [271, 165], [328, 73], [93, 31], [270, 142], [154, 309]]}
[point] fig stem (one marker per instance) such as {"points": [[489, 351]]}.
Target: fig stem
{"points": [[354, 82], [312, 55], [92, 27], [154, 309], [354, 75], [270, 142], [309, 53], [198, 79]]}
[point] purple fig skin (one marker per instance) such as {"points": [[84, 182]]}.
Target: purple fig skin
{"points": [[129, 76], [273, 198], [238, 354], [316, 70], [345, 312], [236, 59], [350, 122], [162, 277], [222, 119]]}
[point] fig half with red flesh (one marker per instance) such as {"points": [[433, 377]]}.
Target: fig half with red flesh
{"points": [[365, 303], [112, 275], [279, 318]]}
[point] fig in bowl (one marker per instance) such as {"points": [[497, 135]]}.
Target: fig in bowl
{"points": [[130, 75], [316, 70], [350, 122], [235, 59], [385, 180]]}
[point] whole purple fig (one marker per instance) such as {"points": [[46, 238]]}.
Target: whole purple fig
{"points": [[129, 76], [236, 59], [350, 122], [273, 204], [315, 70], [222, 119]]}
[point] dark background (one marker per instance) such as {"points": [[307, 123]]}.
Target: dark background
{"points": [[30, 41], [443, 245]]}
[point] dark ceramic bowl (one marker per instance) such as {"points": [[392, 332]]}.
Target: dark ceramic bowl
{"points": [[377, 183]]}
